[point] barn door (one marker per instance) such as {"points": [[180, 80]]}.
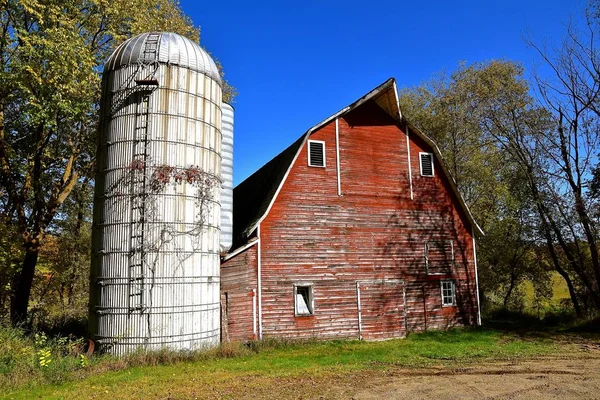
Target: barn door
{"points": [[381, 311]]}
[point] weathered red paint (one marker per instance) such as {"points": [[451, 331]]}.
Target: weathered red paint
{"points": [[373, 233], [238, 287]]}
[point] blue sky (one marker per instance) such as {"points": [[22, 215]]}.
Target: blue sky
{"points": [[296, 63]]}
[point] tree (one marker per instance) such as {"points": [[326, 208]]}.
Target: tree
{"points": [[446, 108], [571, 93], [487, 125], [60, 289], [51, 52]]}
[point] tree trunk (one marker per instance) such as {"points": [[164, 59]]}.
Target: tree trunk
{"points": [[74, 267], [572, 292], [556, 262], [584, 218], [550, 227], [22, 283], [510, 288]]}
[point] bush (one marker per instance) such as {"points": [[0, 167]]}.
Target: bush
{"points": [[588, 326], [41, 358], [553, 318], [38, 358], [16, 351]]}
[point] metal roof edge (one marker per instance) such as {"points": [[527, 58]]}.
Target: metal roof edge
{"points": [[397, 101], [240, 249]]}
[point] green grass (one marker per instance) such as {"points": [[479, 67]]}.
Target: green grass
{"points": [[224, 371]]}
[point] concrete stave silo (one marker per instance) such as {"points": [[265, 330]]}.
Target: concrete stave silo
{"points": [[156, 243]]}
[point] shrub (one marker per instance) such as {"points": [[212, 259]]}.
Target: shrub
{"points": [[37, 358]]}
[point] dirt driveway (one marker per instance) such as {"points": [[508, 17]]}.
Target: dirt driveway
{"points": [[572, 376]]}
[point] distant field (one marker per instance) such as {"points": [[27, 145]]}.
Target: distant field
{"points": [[559, 288], [560, 292], [296, 370]]}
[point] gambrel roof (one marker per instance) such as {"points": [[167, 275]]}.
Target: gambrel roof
{"points": [[253, 198]]}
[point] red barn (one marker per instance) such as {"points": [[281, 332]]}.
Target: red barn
{"points": [[356, 230]]}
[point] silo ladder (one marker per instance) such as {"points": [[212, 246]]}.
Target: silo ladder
{"points": [[149, 60], [139, 209]]}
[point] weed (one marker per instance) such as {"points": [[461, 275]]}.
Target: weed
{"points": [[84, 362]]}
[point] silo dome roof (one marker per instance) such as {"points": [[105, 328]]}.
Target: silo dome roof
{"points": [[172, 48]]}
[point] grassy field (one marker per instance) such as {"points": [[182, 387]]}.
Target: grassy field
{"points": [[560, 292], [275, 369]]}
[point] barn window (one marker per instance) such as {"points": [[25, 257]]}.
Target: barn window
{"points": [[304, 303], [439, 257], [448, 293], [316, 153], [426, 164]]}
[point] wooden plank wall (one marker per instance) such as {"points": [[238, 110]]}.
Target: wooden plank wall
{"points": [[238, 287], [382, 310], [374, 231]]}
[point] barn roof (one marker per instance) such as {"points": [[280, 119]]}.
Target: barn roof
{"points": [[253, 198]]}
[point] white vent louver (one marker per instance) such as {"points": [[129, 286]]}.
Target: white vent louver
{"points": [[316, 153], [426, 164]]}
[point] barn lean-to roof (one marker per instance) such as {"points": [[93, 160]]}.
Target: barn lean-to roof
{"points": [[253, 198]]}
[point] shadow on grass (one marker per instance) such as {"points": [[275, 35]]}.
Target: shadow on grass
{"points": [[591, 326], [553, 324]]}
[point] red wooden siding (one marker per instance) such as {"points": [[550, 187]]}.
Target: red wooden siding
{"points": [[374, 231], [439, 256], [239, 284], [382, 310], [373, 158]]}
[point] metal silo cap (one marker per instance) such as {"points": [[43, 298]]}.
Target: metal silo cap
{"points": [[172, 49]]}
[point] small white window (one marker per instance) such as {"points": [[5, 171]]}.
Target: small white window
{"points": [[303, 300], [316, 153], [448, 293], [439, 257], [426, 164]]}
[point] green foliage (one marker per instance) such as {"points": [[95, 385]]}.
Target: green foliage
{"points": [[523, 166], [61, 286], [460, 112], [284, 358], [452, 110], [11, 255], [26, 360], [51, 57]]}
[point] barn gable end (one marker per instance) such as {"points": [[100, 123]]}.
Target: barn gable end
{"points": [[364, 245]]}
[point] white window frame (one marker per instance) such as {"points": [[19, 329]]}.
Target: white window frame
{"points": [[427, 256], [309, 159], [450, 281], [311, 299], [432, 164]]}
